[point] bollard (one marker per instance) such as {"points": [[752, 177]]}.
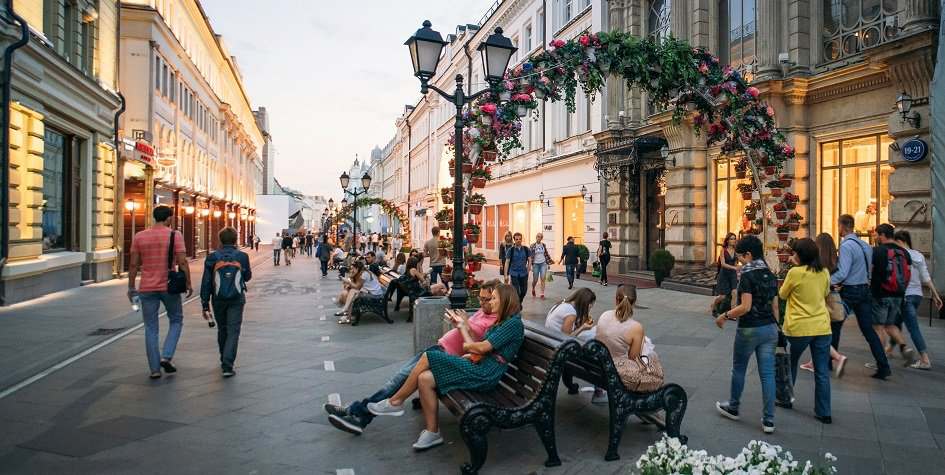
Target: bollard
{"points": [[428, 321]]}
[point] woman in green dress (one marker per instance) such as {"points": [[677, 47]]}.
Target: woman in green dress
{"points": [[480, 369]]}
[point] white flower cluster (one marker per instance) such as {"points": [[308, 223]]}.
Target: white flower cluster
{"points": [[670, 457]]}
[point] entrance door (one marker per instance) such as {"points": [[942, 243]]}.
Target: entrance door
{"points": [[573, 218], [655, 211]]}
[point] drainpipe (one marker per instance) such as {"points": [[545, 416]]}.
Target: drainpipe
{"points": [[468, 66], [407, 121], [118, 232], [5, 141], [544, 42]]}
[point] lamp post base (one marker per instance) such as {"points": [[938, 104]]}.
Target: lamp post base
{"points": [[458, 296]]}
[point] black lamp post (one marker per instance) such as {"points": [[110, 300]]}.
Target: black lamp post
{"points": [[426, 46], [365, 185]]}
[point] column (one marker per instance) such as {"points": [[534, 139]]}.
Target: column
{"points": [[799, 35], [767, 40], [679, 19], [615, 87], [920, 15], [686, 196]]}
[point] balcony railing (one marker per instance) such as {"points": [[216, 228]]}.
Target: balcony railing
{"points": [[850, 30]]}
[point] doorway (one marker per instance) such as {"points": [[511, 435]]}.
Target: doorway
{"points": [[655, 211]]}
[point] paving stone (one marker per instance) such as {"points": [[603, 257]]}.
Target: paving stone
{"points": [[129, 427], [360, 364], [935, 418], [72, 442]]}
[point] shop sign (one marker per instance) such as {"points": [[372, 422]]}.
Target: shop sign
{"points": [[914, 150], [143, 152]]}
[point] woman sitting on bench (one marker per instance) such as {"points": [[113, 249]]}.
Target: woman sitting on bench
{"points": [[637, 363], [360, 282], [480, 369]]}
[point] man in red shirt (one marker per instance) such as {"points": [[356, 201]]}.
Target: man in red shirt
{"points": [[149, 252]]}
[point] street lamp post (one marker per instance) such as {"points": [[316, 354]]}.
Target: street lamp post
{"points": [[365, 185], [425, 47]]}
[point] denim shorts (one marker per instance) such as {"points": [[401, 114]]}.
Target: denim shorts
{"points": [[539, 270], [886, 310]]}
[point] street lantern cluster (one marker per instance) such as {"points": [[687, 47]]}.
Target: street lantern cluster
{"points": [[345, 180], [426, 47]]}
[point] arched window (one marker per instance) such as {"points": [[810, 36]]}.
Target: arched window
{"points": [[851, 26], [658, 19]]}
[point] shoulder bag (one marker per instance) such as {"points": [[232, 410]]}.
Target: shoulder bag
{"points": [[176, 279]]}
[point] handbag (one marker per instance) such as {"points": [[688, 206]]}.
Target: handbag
{"points": [[176, 279], [643, 375], [838, 311]]}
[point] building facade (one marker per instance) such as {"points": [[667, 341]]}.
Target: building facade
{"points": [[58, 227], [832, 70], [267, 185], [186, 104]]}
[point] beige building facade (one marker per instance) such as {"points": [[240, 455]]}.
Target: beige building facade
{"points": [[61, 187]]}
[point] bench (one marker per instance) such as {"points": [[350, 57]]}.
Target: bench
{"points": [[595, 365], [526, 395]]}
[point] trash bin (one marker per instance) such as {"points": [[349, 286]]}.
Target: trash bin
{"points": [[428, 321]]}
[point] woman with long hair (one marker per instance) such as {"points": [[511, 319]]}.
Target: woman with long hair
{"points": [[572, 316], [480, 369], [637, 363], [603, 256], [503, 247], [910, 305], [350, 288], [827, 253], [726, 277], [400, 262], [807, 321]]}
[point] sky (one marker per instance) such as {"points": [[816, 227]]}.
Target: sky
{"points": [[333, 76]]}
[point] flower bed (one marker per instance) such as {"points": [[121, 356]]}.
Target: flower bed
{"points": [[669, 456]]}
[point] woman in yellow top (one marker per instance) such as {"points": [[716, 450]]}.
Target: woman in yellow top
{"points": [[807, 321]]}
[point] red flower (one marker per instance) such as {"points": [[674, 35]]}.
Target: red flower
{"points": [[585, 40], [753, 91], [488, 108], [787, 150], [704, 68], [557, 43]]}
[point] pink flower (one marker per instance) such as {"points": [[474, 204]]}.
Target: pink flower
{"points": [[730, 87], [517, 71], [787, 149], [753, 91], [557, 43], [584, 40], [488, 108], [544, 80], [770, 111], [703, 68], [509, 85], [715, 128], [727, 72]]}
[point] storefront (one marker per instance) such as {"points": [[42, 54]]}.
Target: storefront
{"points": [[137, 169]]}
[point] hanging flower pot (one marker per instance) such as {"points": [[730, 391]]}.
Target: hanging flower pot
{"points": [[474, 267], [783, 258], [750, 215], [746, 195], [794, 225], [475, 208], [781, 214], [539, 94], [770, 170], [505, 96], [790, 204], [786, 181], [472, 238], [521, 111], [740, 174], [776, 192], [443, 224], [490, 155], [486, 119], [467, 167], [478, 182], [783, 237]]}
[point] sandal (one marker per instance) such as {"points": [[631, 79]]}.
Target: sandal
{"points": [[344, 320]]}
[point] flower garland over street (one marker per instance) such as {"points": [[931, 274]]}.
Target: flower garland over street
{"points": [[389, 208]]}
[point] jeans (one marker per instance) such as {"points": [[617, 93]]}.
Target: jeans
{"points": [[501, 266], [539, 271], [569, 272], [604, 260], [859, 299], [150, 307], [520, 282], [435, 271], [910, 316], [820, 355], [359, 408], [759, 341], [229, 317], [275, 256], [324, 267]]}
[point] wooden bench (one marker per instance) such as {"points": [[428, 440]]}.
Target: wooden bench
{"points": [[367, 304], [595, 365], [526, 395]]}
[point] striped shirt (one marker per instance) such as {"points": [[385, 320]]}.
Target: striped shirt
{"points": [[151, 244]]}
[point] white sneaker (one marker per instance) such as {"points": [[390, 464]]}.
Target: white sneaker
{"points": [[427, 440], [599, 397], [385, 408]]}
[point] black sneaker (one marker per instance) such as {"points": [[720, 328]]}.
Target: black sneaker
{"points": [[228, 373], [767, 427], [335, 410], [168, 367], [727, 411], [881, 374], [347, 423], [824, 419]]}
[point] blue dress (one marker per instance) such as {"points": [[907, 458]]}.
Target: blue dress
{"points": [[455, 372]]}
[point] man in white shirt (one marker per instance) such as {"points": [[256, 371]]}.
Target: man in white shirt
{"points": [[276, 249], [396, 244]]}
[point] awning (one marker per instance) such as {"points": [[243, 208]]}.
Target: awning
{"points": [[615, 155]]}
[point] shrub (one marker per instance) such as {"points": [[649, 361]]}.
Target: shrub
{"points": [[662, 262]]}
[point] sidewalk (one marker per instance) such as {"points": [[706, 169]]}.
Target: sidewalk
{"points": [[36, 334]]}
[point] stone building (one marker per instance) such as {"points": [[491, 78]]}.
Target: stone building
{"points": [[267, 185], [832, 70], [187, 104], [59, 184]]}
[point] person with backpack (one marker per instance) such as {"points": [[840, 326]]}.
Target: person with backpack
{"points": [[323, 253], [225, 273], [286, 247], [852, 280], [517, 258], [892, 270]]}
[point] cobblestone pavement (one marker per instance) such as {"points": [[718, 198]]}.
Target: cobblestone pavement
{"points": [[102, 415]]}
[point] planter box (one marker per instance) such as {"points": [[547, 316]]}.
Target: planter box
{"points": [[776, 192], [478, 182], [475, 208], [746, 196], [781, 214], [490, 155]]}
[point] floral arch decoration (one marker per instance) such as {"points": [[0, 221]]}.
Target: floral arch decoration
{"points": [[691, 81], [388, 207]]}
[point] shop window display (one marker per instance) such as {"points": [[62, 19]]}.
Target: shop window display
{"points": [[729, 204], [854, 179]]}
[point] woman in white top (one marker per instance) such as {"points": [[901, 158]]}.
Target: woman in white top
{"points": [[541, 259], [637, 364], [910, 305], [572, 316], [351, 287]]}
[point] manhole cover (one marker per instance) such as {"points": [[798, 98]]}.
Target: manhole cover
{"points": [[106, 331]]}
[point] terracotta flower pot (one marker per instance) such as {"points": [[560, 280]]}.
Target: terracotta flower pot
{"points": [[475, 208], [474, 266], [740, 174], [478, 182], [786, 181], [776, 192], [467, 167], [490, 155], [448, 199], [791, 204], [781, 214], [794, 225], [444, 224], [783, 236], [746, 196], [472, 238], [770, 170]]}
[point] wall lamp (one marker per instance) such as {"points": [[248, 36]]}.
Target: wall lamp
{"points": [[904, 104], [665, 154], [584, 194], [541, 197]]}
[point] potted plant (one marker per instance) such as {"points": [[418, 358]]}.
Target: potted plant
{"points": [[771, 169], [783, 231], [784, 254], [662, 262], [775, 187], [474, 262], [787, 179], [480, 176], [780, 210], [790, 200], [490, 155], [584, 254], [486, 111], [794, 221], [471, 230], [741, 169], [475, 203], [751, 210], [467, 167], [444, 218], [447, 194], [746, 189]]}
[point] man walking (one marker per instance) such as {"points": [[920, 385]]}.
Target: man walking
{"points": [[156, 251], [276, 249], [517, 258], [323, 254], [852, 278], [309, 243], [569, 255], [287, 247], [225, 273], [431, 249], [892, 269], [396, 244]]}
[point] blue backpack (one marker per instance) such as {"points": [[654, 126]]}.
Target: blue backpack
{"points": [[228, 279]]}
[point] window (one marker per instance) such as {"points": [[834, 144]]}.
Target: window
{"points": [[503, 227], [729, 205], [851, 26], [60, 191], [86, 47], [657, 25], [573, 218], [738, 45], [173, 87], [528, 38], [854, 179], [70, 21], [165, 78]]}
